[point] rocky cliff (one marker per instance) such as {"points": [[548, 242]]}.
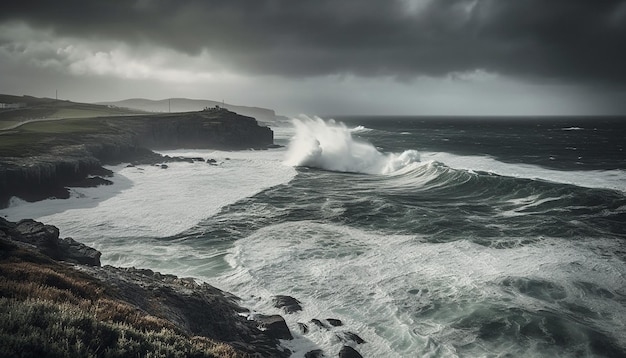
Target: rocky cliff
{"points": [[56, 300], [40, 165]]}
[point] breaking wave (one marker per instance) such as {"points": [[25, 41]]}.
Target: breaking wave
{"points": [[329, 145]]}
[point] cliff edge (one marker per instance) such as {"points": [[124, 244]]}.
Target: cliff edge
{"points": [[39, 159], [56, 300]]}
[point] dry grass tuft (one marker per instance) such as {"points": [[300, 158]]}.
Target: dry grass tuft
{"points": [[50, 309]]}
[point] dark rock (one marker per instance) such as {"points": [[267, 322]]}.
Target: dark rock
{"points": [[198, 309], [334, 322], [211, 161], [198, 159], [35, 233], [183, 159], [90, 182], [349, 352], [287, 303], [317, 353], [274, 146], [74, 251], [348, 337], [274, 325], [304, 329], [319, 323], [130, 165], [164, 166], [45, 239]]}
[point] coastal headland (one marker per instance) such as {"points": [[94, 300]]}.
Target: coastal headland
{"points": [[40, 158], [56, 299]]}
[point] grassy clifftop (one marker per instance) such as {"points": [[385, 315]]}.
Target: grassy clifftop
{"points": [[38, 159], [50, 309], [33, 108]]}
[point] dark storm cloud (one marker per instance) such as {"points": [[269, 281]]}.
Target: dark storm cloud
{"points": [[560, 40]]}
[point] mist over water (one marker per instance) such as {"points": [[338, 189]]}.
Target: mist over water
{"points": [[330, 145], [507, 239]]}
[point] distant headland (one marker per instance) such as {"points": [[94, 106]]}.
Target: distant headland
{"points": [[47, 144]]}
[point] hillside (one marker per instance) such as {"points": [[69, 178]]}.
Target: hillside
{"points": [[18, 109], [39, 159], [190, 105]]}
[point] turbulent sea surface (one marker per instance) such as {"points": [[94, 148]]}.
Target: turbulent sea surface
{"points": [[428, 237]]}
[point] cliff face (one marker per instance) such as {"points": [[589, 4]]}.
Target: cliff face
{"points": [[216, 129], [71, 157]]}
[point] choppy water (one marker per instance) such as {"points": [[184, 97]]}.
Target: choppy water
{"points": [[437, 237]]}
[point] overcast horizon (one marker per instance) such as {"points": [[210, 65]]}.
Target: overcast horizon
{"points": [[398, 57]]}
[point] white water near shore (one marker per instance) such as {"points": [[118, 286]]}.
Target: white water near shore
{"points": [[148, 201]]}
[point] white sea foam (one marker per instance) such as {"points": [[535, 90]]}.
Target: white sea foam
{"points": [[604, 179], [378, 284], [329, 145], [150, 201]]}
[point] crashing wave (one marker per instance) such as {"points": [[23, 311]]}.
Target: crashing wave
{"points": [[329, 145]]}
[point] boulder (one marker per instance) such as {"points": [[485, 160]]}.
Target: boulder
{"points": [[274, 326], [349, 352], [287, 303], [74, 251], [319, 323], [44, 237], [317, 353], [349, 337], [334, 322]]}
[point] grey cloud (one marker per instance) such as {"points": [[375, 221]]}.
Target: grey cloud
{"points": [[556, 40]]}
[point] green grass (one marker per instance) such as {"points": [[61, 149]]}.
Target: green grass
{"points": [[48, 309], [87, 125], [36, 138], [40, 328], [7, 124]]}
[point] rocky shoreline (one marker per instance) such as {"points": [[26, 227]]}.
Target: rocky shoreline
{"points": [[179, 304], [33, 258], [46, 282], [42, 165]]}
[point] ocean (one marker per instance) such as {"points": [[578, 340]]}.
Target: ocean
{"points": [[426, 236]]}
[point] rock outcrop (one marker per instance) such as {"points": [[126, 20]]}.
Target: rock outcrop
{"points": [[45, 239], [65, 159]]}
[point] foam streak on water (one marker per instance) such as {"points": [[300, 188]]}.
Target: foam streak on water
{"points": [[425, 291]]}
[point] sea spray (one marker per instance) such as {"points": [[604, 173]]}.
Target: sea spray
{"points": [[329, 145]]}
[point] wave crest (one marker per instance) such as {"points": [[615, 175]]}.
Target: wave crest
{"points": [[329, 145]]}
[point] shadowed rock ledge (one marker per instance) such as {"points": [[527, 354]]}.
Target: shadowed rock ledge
{"points": [[55, 298]]}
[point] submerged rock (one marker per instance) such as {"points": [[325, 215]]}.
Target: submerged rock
{"points": [[349, 337], [304, 328], [334, 322], [319, 323], [349, 352], [317, 353], [274, 325], [287, 303]]}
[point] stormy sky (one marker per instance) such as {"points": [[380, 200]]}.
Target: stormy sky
{"points": [[457, 57]]}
